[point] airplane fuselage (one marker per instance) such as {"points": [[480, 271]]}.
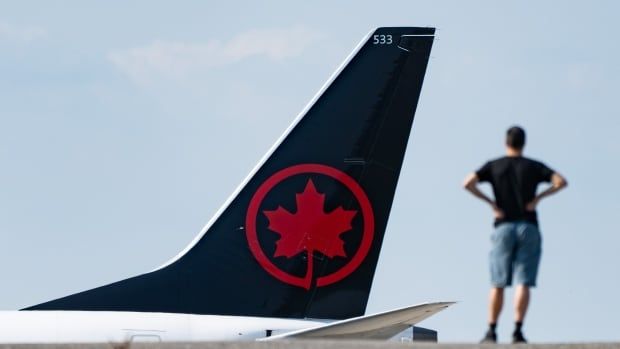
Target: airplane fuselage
{"points": [[119, 327]]}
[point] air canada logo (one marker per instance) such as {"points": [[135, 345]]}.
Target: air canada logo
{"points": [[310, 224]]}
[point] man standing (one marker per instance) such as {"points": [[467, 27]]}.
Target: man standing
{"points": [[516, 242]]}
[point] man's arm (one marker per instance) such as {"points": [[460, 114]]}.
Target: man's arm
{"points": [[557, 183], [471, 185]]}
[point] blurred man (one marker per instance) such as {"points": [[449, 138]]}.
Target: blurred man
{"points": [[516, 242]]}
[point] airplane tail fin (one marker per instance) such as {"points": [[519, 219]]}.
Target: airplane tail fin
{"points": [[301, 236]]}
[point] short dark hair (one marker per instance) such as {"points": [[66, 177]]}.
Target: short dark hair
{"points": [[515, 137]]}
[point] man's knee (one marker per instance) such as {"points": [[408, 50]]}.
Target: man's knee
{"points": [[497, 292], [522, 288]]}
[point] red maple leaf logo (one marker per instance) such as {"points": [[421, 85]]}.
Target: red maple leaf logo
{"points": [[310, 228]]}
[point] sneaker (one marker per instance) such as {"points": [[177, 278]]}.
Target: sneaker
{"points": [[489, 337], [517, 337]]}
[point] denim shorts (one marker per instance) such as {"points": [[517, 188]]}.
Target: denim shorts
{"points": [[516, 250]]}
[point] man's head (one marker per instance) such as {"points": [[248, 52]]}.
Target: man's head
{"points": [[515, 138]]}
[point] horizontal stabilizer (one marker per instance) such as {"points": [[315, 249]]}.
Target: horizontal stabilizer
{"points": [[377, 326]]}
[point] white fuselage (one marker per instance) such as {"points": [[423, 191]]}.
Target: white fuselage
{"points": [[112, 326]]}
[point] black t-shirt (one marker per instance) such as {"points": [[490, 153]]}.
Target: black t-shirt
{"points": [[514, 181]]}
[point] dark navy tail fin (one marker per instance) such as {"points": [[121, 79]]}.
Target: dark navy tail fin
{"points": [[301, 237]]}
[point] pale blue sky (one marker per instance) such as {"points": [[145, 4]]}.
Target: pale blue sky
{"points": [[125, 125]]}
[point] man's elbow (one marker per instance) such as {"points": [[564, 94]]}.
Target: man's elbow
{"points": [[470, 182], [470, 187], [559, 181]]}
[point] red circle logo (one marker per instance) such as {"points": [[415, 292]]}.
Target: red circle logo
{"points": [[310, 229]]}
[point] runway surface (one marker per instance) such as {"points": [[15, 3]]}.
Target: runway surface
{"points": [[309, 345]]}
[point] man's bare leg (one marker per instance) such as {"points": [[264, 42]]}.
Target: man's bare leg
{"points": [[522, 300], [496, 301]]}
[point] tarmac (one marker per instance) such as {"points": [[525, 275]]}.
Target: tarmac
{"points": [[314, 344]]}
